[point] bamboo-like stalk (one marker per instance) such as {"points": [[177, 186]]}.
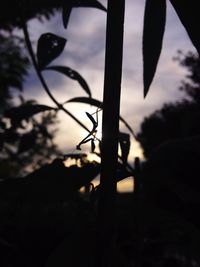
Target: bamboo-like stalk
{"points": [[110, 131], [44, 84]]}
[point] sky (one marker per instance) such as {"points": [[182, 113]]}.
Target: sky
{"points": [[85, 53]]}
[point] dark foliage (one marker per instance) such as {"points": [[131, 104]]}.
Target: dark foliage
{"points": [[27, 141], [172, 121], [188, 13], [50, 46], [14, 66], [42, 209], [154, 27], [171, 179], [10, 10], [175, 120], [73, 75]]}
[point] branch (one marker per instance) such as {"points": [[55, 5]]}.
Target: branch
{"points": [[30, 50], [110, 133]]}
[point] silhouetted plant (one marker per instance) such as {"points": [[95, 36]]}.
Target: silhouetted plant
{"points": [[14, 65], [154, 26], [25, 140], [179, 119]]}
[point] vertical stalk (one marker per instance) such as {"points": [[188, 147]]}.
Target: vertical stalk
{"points": [[110, 129]]}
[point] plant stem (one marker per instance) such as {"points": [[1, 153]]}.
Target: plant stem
{"points": [[110, 130], [60, 106]]}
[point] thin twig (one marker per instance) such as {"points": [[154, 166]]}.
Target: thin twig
{"points": [[45, 86], [35, 64]]}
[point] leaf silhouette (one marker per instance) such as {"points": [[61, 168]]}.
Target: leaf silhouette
{"points": [[49, 47], [92, 119], [124, 141], [153, 31], [84, 141], [86, 100], [93, 146], [87, 3], [91, 134], [73, 75], [23, 112], [188, 12], [67, 8], [66, 11], [128, 127], [98, 104], [123, 174]]}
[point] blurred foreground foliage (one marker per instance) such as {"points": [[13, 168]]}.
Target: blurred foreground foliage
{"points": [[26, 141]]}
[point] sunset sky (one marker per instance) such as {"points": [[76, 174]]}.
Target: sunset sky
{"points": [[85, 51]]}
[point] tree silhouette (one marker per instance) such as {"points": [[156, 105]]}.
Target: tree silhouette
{"points": [[25, 141], [175, 120], [14, 64], [53, 45]]}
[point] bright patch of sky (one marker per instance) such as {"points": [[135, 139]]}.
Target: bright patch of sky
{"points": [[84, 52]]}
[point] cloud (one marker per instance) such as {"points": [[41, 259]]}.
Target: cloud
{"points": [[85, 51]]}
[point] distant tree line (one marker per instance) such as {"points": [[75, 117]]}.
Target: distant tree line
{"points": [[179, 119]]}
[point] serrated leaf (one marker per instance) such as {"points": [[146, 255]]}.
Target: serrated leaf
{"points": [[188, 12], [73, 75], [50, 46], [153, 31], [98, 104], [23, 112]]}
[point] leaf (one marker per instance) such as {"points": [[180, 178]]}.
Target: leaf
{"points": [[73, 75], [153, 31], [124, 141], [188, 12], [84, 141], [128, 127], [92, 119], [88, 3], [22, 112], [98, 104], [66, 11], [86, 100], [123, 174], [50, 46], [92, 146], [68, 5]]}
